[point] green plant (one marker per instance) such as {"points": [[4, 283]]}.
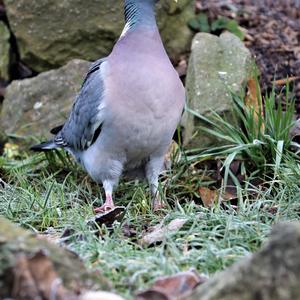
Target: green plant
{"points": [[260, 140], [201, 23]]}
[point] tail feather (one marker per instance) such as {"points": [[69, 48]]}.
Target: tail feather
{"points": [[56, 129], [45, 146]]}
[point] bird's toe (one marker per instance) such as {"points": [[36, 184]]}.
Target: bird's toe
{"points": [[158, 204], [103, 208]]}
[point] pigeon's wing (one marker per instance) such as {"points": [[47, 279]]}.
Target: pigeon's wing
{"points": [[84, 123]]}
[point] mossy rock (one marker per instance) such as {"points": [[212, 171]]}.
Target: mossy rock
{"points": [[33, 106], [217, 67], [4, 51], [50, 33], [18, 246]]}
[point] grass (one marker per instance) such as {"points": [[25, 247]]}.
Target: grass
{"points": [[257, 135], [212, 239], [51, 193]]}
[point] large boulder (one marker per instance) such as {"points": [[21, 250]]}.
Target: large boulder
{"points": [[4, 51], [32, 267], [32, 106], [50, 33], [217, 65]]}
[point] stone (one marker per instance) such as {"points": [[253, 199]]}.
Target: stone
{"points": [[4, 51], [33, 106], [34, 267], [172, 22], [217, 65], [100, 296], [50, 33]]}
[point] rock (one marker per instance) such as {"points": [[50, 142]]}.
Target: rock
{"points": [[100, 296], [50, 33], [4, 51], [31, 267], [172, 22], [33, 106], [273, 273], [216, 66]]}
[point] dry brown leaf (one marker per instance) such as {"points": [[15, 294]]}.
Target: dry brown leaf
{"points": [[159, 232], [208, 196], [129, 231], [175, 287], [253, 100], [227, 196], [173, 155], [108, 217]]}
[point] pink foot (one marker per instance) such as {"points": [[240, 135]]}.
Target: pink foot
{"points": [[158, 205], [107, 206], [104, 208]]}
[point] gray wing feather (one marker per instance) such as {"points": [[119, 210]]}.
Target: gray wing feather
{"points": [[85, 118]]}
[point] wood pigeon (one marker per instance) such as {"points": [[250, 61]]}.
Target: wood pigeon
{"points": [[127, 110]]}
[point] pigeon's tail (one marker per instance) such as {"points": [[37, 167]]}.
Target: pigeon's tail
{"points": [[45, 146]]}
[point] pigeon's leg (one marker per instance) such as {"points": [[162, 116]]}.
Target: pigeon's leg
{"points": [[108, 204], [153, 169]]}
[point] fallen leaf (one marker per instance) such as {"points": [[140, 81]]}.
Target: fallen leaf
{"points": [[109, 217], [129, 231], [253, 100], [210, 196], [228, 196], [174, 287], [173, 155], [159, 232]]}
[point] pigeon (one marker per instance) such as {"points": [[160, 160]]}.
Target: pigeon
{"points": [[129, 106]]}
